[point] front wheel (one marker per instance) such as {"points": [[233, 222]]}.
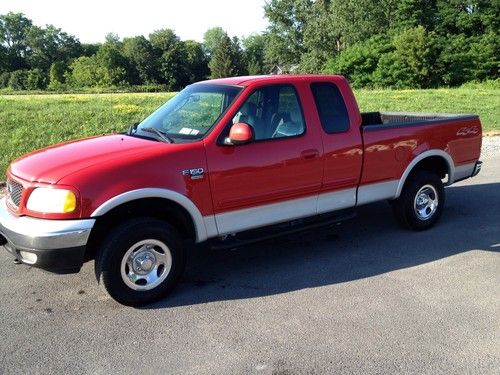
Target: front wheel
{"points": [[421, 202], [141, 261]]}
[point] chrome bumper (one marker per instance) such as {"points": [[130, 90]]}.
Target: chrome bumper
{"points": [[49, 244]]}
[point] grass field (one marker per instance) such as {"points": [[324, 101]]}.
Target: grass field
{"points": [[28, 122]]}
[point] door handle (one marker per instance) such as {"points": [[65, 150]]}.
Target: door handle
{"points": [[309, 154]]}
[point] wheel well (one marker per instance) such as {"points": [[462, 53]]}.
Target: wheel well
{"points": [[159, 208], [435, 164]]}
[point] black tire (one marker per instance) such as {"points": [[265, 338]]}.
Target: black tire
{"points": [[407, 209], [144, 239]]}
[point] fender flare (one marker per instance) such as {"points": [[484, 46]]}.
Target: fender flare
{"points": [[418, 159], [183, 201]]}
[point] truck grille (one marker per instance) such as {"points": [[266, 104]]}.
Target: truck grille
{"points": [[14, 192]]}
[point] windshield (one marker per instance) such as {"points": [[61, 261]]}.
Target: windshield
{"points": [[191, 113]]}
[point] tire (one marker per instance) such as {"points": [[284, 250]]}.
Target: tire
{"points": [[421, 202], [141, 261]]}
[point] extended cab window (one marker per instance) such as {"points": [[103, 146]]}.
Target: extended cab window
{"points": [[273, 112], [331, 107]]}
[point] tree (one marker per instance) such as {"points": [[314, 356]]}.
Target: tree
{"points": [[50, 44], [409, 65], [4, 59], [89, 49], [197, 62], [86, 72], [414, 13], [14, 29], [472, 18], [4, 79], [18, 80], [212, 38], [56, 75], [111, 60], [36, 80], [172, 56], [287, 22], [254, 54], [322, 37], [139, 52], [359, 20], [226, 59], [359, 62]]}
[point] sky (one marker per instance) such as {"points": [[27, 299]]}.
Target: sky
{"points": [[91, 20]]}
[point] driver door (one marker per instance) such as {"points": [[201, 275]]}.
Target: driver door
{"points": [[274, 178]]}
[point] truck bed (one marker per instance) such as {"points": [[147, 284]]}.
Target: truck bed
{"points": [[383, 120]]}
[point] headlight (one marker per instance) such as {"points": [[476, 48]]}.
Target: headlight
{"points": [[52, 201]]}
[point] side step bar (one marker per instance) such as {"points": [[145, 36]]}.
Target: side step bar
{"points": [[278, 230]]}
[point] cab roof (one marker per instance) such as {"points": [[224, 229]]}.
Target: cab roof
{"points": [[247, 80]]}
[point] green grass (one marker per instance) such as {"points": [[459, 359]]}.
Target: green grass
{"points": [[28, 122]]}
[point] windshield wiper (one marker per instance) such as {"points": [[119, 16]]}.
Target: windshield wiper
{"points": [[132, 129], [163, 136]]}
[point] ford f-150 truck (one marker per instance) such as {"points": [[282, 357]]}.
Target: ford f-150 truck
{"points": [[225, 162]]}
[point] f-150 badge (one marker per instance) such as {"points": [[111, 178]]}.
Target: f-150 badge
{"points": [[195, 173]]}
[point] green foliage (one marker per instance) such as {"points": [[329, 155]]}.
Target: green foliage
{"points": [[196, 61], [14, 29], [226, 59], [254, 46], [387, 43], [18, 80], [171, 55], [140, 55], [287, 23], [409, 64], [36, 80], [4, 79], [359, 62], [112, 62], [50, 44], [212, 38], [56, 75], [86, 72], [414, 13]]}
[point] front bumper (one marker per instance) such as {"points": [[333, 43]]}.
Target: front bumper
{"points": [[53, 245]]}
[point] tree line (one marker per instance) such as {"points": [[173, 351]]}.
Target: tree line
{"points": [[388, 43]]}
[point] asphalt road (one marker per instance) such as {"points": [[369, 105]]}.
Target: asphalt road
{"points": [[366, 297]]}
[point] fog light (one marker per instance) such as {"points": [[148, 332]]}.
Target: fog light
{"points": [[29, 258]]}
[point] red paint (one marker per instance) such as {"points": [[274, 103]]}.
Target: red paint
{"points": [[241, 133], [260, 172]]}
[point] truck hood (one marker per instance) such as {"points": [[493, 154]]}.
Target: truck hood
{"points": [[53, 163]]}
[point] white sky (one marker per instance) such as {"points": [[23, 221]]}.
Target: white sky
{"points": [[91, 20]]}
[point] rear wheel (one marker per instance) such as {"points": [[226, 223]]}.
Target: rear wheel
{"points": [[421, 202], [141, 261]]}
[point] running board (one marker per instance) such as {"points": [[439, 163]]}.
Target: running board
{"points": [[278, 230]]}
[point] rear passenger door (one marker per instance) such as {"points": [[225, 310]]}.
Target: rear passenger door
{"points": [[343, 151], [274, 178]]}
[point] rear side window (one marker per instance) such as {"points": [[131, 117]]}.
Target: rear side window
{"points": [[331, 107]]}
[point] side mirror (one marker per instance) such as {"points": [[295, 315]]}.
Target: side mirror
{"points": [[240, 134]]}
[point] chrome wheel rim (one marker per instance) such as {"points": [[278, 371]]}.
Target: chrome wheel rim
{"points": [[146, 264], [426, 202]]}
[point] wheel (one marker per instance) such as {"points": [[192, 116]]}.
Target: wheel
{"points": [[421, 202], [140, 261]]}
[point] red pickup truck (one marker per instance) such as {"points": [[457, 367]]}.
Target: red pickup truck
{"points": [[226, 161]]}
